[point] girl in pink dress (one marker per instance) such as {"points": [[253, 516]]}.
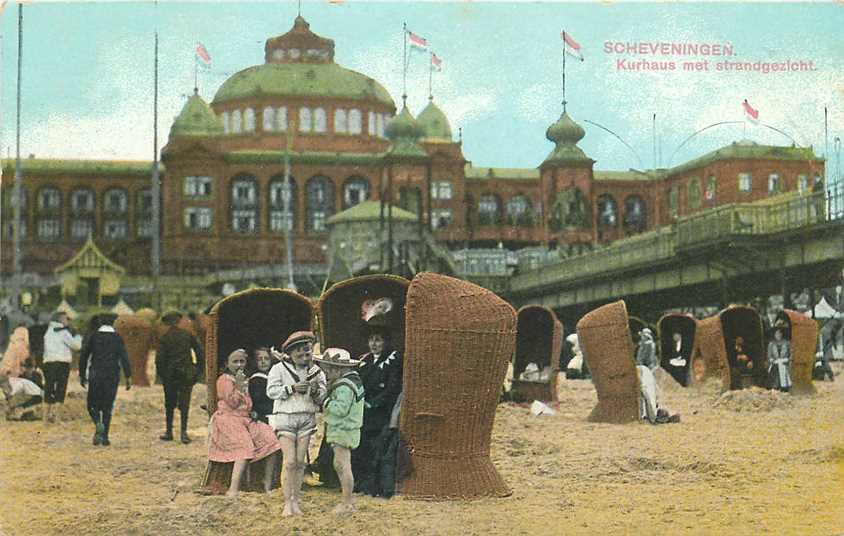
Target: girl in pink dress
{"points": [[234, 436]]}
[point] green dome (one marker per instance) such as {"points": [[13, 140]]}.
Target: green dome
{"points": [[565, 133], [370, 211], [320, 80], [434, 123], [404, 133], [196, 119]]}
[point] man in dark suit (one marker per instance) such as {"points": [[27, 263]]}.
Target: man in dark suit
{"points": [[179, 362]]}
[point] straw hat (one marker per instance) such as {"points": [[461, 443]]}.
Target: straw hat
{"points": [[337, 357], [296, 338]]}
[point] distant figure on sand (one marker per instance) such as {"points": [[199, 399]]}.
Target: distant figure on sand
{"points": [[106, 353], [779, 362], [59, 344], [175, 365]]}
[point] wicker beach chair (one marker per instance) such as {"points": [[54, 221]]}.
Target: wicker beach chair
{"points": [[687, 326], [339, 311], [247, 319], [604, 335], [717, 339], [803, 335], [539, 339], [140, 336], [459, 339]]}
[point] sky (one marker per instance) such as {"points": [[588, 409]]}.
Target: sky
{"points": [[87, 83]]}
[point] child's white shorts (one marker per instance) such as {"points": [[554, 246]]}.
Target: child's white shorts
{"points": [[293, 425]]}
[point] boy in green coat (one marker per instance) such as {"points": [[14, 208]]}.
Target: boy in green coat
{"points": [[343, 410]]}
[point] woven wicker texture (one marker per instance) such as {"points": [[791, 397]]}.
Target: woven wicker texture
{"points": [[140, 337], [713, 350], [459, 340], [804, 338], [539, 339], [339, 311], [247, 319], [745, 322], [604, 336], [686, 326]]}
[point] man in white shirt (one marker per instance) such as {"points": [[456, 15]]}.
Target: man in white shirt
{"points": [[19, 393], [59, 344]]}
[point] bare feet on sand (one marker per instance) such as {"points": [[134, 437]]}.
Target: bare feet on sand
{"points": [[297, 509], [288, 510], [344, 509], [231, 493]]}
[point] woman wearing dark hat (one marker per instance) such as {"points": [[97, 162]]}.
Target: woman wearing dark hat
{"points": [[174, 363], [381, 374]]}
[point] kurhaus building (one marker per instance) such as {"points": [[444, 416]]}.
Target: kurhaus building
{"points": [[340, 138]]}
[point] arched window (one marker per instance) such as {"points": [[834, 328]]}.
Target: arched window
{"points": [[355, 191], [320, 202], [82, 201], [379, 125], [340, 123], [268, 119], [489, 209], [635, 214], [281, 118], [607, 212], [305, 121], [674, 201], [320, 120], [249, 120], [745, 182], [226, 125], [9, 200], [355, 120], [694, 193], [802, 183], [370, 124], [82, 208], [519, 211], [116, 201], [49, 198], [711, 188], [774, 186], [283, 204], [237, 126], [143, 213], [244, 203]]}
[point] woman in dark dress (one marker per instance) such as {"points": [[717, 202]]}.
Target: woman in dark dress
{"points": [[381, 374]]}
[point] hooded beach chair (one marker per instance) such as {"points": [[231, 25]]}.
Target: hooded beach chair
{"points": [[539, 340]]}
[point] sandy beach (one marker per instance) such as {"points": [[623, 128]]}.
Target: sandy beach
{"points": [[749, 462]]}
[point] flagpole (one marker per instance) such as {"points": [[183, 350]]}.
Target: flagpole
{"points": [[286, 198], [826, 143], [431, 78], [195, 75], [653, 129], [404, 65], [564, 71], [18, 188], [156, 183]]}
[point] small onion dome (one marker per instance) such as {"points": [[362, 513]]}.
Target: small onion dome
{"points": [[565, 133], [196, 119], [404, 133], [434, 124]]}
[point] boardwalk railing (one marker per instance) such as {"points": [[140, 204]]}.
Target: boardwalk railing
{"points": [[789, 213]]}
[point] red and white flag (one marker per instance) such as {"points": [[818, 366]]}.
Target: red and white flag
{"points": [[202, 55], [417, 42], [436, 62], [750, 112], [571, 46]]}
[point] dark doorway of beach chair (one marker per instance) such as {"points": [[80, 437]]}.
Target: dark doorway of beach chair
{"points": [[539, 339], [677, 345], [802, 335], [745, 347], [248, 319]]}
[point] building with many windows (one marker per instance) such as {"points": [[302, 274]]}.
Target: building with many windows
{"points": [[285, 145]]}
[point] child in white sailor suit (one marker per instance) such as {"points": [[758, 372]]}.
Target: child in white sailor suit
{"points": [[298, 387]]}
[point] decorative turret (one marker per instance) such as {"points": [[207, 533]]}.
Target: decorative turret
{"points": [[196, 119], [299, 45], [565, 133], [434, 124], [404, 132]]}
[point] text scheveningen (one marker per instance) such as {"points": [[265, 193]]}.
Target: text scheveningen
{"points": [[663, 48]]}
